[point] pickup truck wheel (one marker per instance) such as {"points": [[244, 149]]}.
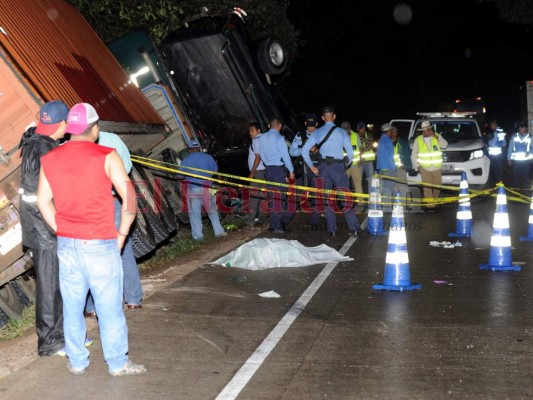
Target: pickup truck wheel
{"points": [[9, 301], [272, 56]]}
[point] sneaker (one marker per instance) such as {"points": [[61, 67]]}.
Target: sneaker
{"points": [[129, 369], [222, 234], [277, 230], [63, 353], [75, 371]]}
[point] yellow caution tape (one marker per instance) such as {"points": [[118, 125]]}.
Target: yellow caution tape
{"points": [[329, 194]]}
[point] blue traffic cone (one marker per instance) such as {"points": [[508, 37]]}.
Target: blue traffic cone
{"points": [[529, 236], [500, 242], [463, 226], [375, 212], [397, 276]]}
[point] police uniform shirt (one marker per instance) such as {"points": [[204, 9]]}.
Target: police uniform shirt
{"points": [[296, 145], [252, 151], [273, 150], [335, 146]]}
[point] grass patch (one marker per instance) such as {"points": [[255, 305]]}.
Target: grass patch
{"points": [[184, 244], [17, 327]]}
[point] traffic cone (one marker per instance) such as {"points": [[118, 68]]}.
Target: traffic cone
{"points": [[397, 276], [500, 242], [529, 236], [463, 226], [375, 212]]}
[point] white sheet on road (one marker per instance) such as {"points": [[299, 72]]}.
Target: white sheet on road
{"points": [[274, 253]]}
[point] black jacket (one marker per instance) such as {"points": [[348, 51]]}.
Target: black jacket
{"points": [[36, 233]]}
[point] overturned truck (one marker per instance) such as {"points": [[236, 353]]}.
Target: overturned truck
{"points": [[49, 51]]}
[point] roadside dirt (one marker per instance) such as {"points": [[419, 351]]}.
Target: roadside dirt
{"points": [[17, 353]]}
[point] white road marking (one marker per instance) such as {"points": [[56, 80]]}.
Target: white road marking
{"points": [[254, 362]]}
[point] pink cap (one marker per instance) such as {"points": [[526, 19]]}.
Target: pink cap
{"points": [[80, 117]]}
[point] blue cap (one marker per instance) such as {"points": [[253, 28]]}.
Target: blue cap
{"points": [[51, 115], [194, 144], [360, 125]]}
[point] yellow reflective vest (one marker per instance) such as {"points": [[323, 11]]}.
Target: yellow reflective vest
{"points": [[432, 157], [356, 146], [369, 154], [397, 159]]}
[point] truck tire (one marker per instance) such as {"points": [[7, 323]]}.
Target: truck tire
{"points": [[9, 301], [27, 284], [165, 213], [141, 241], [145, 202], [272, 56]]}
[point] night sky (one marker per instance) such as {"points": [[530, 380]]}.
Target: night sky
{"points": [[372, 68]]}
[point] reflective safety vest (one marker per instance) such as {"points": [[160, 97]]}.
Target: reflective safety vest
{"points": [[521, 148], [368, 155], [497, 142], [354, 140], [432, 157], [397, 159]]}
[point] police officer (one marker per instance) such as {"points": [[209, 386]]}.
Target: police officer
{"points": [[257, 171], [495, 139], [311, 122], [275, 155], [332, 142], [519, 155]]}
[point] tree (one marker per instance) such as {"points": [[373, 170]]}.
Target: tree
{"points": [[112, 19], [516, 11]]}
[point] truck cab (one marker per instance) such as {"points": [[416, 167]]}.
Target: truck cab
{"points": [[466, 149]]}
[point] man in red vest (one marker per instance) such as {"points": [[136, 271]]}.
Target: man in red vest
{"points": [[75, 199]]}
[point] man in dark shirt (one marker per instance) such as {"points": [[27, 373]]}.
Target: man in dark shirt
{"points": [[36, 234]]}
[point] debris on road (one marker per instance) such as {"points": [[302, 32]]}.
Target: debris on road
{"points": [[446, 245], [270, 295]]}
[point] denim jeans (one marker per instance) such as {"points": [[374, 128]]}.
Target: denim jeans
{"points": [[133, 292], [367, 170], [94, 265], [196, 197]]}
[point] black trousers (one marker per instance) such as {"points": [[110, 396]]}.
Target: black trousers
{"points": [[49, 304]]}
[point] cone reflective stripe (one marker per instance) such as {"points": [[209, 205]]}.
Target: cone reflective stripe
{"points": [[397, 275], [463, 226], [500, 242], [529, 236], [375, 212]]}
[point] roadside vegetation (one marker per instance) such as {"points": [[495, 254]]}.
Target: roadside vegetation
{"points": [[180, 245], [183, 244], [17, 327]]}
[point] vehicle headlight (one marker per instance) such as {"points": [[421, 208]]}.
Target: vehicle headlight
{"points": [[476, 154]]}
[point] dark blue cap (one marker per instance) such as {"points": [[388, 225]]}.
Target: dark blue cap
{"points": [[51, 115], [311, 120], [328, 109], [360, 125]]}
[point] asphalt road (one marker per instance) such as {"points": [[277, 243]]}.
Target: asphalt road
{"points": [[467, 333]]}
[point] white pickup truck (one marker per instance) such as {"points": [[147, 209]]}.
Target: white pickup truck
{"points": [[466, 149]]}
